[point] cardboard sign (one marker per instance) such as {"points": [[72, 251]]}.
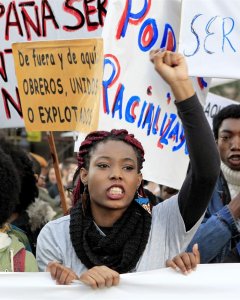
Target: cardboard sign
{"points": [[60, 83], [210, 37]]}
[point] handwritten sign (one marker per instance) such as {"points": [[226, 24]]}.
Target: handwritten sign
{"points": [[60, 83], [214, 104], [38, 20], [210, 37], [134, 95]]}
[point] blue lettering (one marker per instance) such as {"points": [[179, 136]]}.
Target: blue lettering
{"points": [[225, 34], [148, 35], [129, 113], [197, 38], [208, 33], [117, 106], [148, 118], [141, 115], [155, 122]]}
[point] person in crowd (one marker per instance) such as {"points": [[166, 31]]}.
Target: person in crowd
{"points": [[68, 168], [107, 232], [42, 191], [41, 180], [152, 187], [14, 257], [31, 213], [166, 191], [51, 178], [219, 232]]}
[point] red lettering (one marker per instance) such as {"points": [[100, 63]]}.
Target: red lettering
{"points": [[69, 8], [45, 17], [2, 10], [3, 72], [102, 10], [16, 22], [90, 10], [7, 98], [28, 22]]}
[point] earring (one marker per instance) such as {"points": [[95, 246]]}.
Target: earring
{"points": [[85, 195]]}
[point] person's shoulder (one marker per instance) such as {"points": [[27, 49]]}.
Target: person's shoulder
{"points": [[63, 219], [166, 204], [16, 244], [20, 235], [59, 224]]}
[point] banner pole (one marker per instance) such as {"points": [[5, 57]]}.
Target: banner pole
{"points": [[57, 171]]}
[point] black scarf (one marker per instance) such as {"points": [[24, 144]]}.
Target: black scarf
{"points": [[121, 249]]}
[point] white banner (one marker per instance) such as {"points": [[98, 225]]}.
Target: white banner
{"points": [[210, 37], [220, 281]]}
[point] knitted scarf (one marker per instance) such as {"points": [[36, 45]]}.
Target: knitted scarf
{"points": [[233, 179], [121, 249]]}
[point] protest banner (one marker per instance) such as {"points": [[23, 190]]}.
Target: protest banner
{"points": [[134, 95], [218, 280], [210, 37], [38, 20], [214, 104], [59, 83]]}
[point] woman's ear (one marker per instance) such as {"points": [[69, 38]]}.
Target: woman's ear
{"points": [[140, 178], [84, 175]]}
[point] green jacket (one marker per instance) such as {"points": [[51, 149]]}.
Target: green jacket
{"points": [[7, 261]]}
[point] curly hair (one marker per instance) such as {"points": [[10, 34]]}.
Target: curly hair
{"points": [[9, 187], [229, 112], [89, 145], [24, 166]]}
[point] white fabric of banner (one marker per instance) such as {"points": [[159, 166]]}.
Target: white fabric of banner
{"points": [[215, 280]]}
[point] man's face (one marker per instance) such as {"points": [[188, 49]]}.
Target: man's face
{"points": [[229, 143]]}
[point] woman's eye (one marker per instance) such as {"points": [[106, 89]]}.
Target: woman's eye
{"points": [[102, 166], [128, 168]]}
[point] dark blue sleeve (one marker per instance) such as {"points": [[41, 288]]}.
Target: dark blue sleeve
{"points": [[214, 236]]}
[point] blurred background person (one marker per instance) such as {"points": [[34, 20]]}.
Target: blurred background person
{"points": [[13, 255], [31, 213]]}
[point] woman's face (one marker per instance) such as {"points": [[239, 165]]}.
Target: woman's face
{"points": [[112, 177]]}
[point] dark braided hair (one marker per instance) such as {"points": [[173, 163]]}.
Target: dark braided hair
{"points": [[89, 145]]}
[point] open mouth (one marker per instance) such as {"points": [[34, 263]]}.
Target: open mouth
{"points": [[234, 159], [115, 193]]}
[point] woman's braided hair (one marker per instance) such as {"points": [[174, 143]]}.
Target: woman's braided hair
{"points": [[90, 143]]}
